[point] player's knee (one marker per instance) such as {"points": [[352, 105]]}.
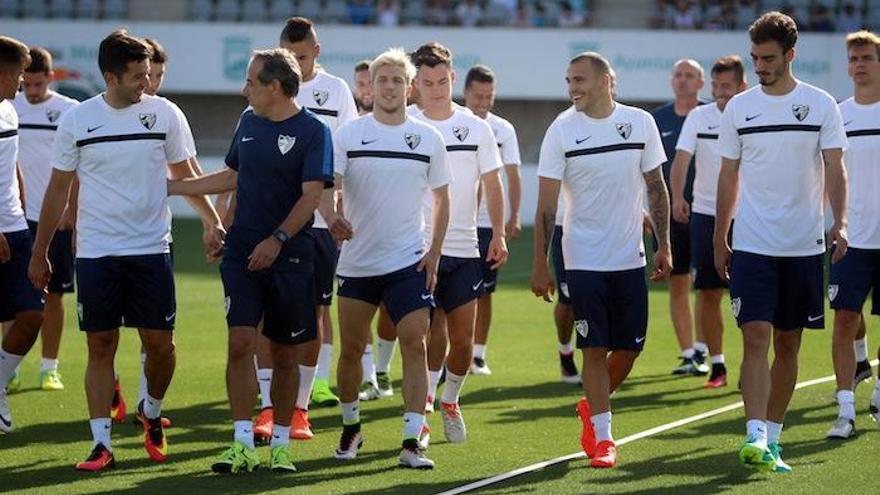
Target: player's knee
{"points": [[29, 321], [847, 320], [159, 348], [755, 341], [786, 345], [241, 345]]}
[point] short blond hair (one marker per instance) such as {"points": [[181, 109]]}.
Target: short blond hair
{"points": [[394, 57], [862, 38]]}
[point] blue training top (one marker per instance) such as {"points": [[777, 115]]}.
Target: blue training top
{"points": [[669, 123]]}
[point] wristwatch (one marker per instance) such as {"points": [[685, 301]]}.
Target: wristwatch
{"points": [[281, 236]]}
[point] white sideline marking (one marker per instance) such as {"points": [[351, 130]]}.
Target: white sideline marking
{"points": [[632, 438]]}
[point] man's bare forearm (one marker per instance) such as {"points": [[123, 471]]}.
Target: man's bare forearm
{"points": [[658, 205]]}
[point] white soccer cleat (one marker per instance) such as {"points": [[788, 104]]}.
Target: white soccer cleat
{"points": [[842, 429], [369, 391], [412, 456], [425, 437], [349, 443], [5, 414], [480, 367], [453, 423]]}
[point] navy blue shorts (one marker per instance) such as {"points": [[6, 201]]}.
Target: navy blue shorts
{"points": [[704, 274], [326, 257], [402, 291], [785, 291], [17, 294], [459, 281], [62, 259], [680, 240], [853, 277], [281, 295], [490, 276], [132, 291], [610, 308], [556, 258]]}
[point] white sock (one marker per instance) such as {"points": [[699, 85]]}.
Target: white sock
{"points": [[452, 389], [861, 348], [152, 407], [244, 432], [325, 356], [48, 365], [718, 359], [384, 353], [8, 364], [602, 425], [368, 370], [351, 413], [566, 348], [846, 399], [306, 381], [702, 347], [433, 380], [480, 351], [142, 387], [412, 425], [756, 430], [264, 380], [280, 436], [688, 353], [773, 431], [101, 432]]}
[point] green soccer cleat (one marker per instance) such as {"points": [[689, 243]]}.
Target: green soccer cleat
{"points": [[237, 458], [14, 383], [322, 396], [756, 456], [51, 380], [779, 466], [281, 461]]}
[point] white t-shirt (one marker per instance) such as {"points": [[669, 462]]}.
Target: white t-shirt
{"points": [[508, 147], [862, 159], [36, 130], [779, 142], [121, 159], [11, 213], [473, 152], [330, 98], [601, 163], [387, 171], [699, 137]]}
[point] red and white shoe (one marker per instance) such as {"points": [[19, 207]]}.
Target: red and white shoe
{"points": [[588, 435], [263, 426], [605, 456], [301, 428], [453, 423], [100, 459]]}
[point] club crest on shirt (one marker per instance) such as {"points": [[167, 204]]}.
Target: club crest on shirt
{"points": [[461, 133], [412, 140], [800, 111], [52, 115], [148, 120], [624, 129], [285, 143], [320, 96], [832, 291]]}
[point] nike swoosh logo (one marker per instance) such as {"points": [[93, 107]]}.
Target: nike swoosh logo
{"points": [[171, 316], [579, 141], [369, 142], [811, 319], [297, 334], [427, 297], [713, 127], [7, 422], [246, 139], [327, 295], [477, 286], [488, 285], [91, 129], [67, 285], [848, 122], [666, 133], [750, 118], [640, 340]]}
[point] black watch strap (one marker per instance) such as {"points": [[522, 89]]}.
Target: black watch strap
{"points": [[281, 236]]}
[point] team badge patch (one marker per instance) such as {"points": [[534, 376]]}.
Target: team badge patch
{"points": [[833, 289], [52, 115], [800, 111], [412, 140], [285, 143], [227, 303], [148, 120], [320, 97], [624, 129], [735, 306], [461, 133], [79, 311], [563, 287], [582, 328]]}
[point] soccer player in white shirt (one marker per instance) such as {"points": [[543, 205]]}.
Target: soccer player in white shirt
{"points": [[386, 163], [479, 97], [20, 302], [781, 145], [39, 110], [699, 138], [602, 155], [475, 163], [859, 271], [120, 144]]}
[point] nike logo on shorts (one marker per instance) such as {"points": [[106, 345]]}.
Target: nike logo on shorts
{"points": [[639, 340], [427, 297], [667, 133], [811, 319], [247, 139], [294, 335], [477, 286], [171, 316], [327, 295]]}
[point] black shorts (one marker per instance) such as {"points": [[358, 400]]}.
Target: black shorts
{"points": [[853, 277], [401, 292], [17, 294], [326, 257], [680, 240], [704, 274], [281, 295], [610, 308], [62, 260], [132, 291], [785, 291], [459, 281], [490, 276], [562, 291]]}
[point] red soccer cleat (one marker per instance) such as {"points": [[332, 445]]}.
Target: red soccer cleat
{"points": [[117, 407], [605, 455], [717, 382], [263, 426], [588, 435], [301, 428], [99, 460]]}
